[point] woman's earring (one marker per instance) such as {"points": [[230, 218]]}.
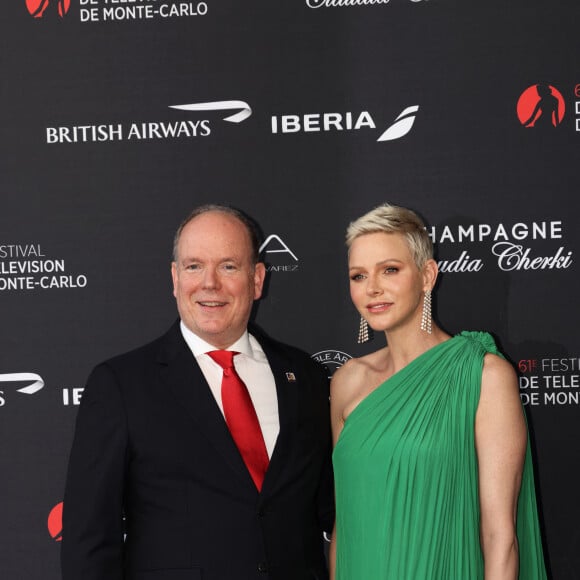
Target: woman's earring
{"points": [[364, 332], [426, 315]]}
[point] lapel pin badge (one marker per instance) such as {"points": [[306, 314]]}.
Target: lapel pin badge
{"points": [[291, 377]]}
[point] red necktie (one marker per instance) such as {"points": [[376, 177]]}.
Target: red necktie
{"points": [[241, 417]]}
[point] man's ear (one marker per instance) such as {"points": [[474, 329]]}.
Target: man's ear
{"points": [[174, 278], [259, 277]]}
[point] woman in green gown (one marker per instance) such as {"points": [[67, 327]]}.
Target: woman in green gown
{"points": [[432, 464]]}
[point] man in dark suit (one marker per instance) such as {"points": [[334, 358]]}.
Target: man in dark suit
{"points": [[154, 441]]}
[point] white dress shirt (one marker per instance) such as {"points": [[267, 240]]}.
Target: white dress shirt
{"points": [[253, 367]]}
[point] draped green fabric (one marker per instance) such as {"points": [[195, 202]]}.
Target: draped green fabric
{"points": [[406, 475]]}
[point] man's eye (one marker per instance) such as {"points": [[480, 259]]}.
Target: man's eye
{"points": [[192, 267]]}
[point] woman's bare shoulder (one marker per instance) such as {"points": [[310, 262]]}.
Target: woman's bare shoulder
{"points": [[355, 375]]}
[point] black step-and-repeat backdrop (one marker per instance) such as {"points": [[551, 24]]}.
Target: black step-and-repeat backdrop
{"points": [[118, 116]]}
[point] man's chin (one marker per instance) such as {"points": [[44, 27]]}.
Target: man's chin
{"points": [[211, 328], [211, 331]]}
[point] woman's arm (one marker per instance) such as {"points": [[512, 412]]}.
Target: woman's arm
{"points": [[341, 394], [332, 554], [500, 439]]}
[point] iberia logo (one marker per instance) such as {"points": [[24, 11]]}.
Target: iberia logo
{"points": [[541, 105], [55, 522], [48, 8]]}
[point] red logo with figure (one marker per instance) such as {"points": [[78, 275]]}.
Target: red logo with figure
{"points": [[55, 522], [48, 8], [541, 105]]}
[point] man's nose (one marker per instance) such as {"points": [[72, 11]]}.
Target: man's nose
{"points": [[210, 278]]}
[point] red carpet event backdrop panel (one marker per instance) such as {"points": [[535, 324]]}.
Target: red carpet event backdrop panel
{"points": [[119, 116]]}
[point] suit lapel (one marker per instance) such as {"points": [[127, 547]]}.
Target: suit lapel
{"points": [[180, 373], [287, 413]]}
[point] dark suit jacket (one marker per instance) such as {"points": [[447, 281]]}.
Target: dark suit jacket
{"points": [[151, 443]]}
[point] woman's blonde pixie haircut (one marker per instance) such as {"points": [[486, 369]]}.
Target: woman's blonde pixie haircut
{"points": [[393, 219]]}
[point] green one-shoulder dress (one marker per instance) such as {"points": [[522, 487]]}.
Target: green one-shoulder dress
{"points": [[406, 475]]}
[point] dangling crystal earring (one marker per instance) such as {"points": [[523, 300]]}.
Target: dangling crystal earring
{"points": [[426, 315], [364, 332]]}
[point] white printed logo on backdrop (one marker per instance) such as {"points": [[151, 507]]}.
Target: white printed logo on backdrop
{"points": [[344, 121], [25, 267], [151, 130], [550, 381], [278, 256], [33, 384], [520, 246], [331, 359], [346, 3]]}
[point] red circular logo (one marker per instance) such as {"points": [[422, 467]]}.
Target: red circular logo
{"points": [[55, 522], [48, 8], [541, 105]]}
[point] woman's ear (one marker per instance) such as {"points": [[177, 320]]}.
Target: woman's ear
{"points": [[430, 271]]}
